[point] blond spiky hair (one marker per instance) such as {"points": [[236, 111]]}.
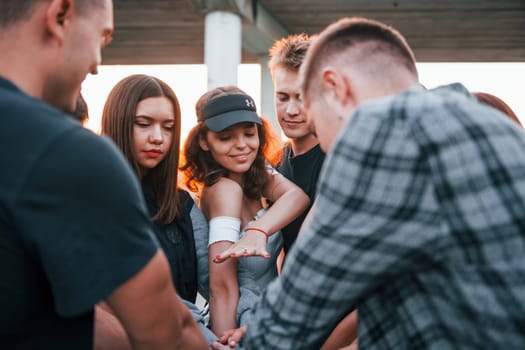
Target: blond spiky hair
{"points": [[289, 52]]}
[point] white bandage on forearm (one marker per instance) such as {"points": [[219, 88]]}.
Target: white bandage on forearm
{"points": [[224, 228]]}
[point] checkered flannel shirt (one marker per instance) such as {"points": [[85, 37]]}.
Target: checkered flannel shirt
{"points": [[419, 224]]}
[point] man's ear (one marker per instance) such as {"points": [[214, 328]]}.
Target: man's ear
{"points": [[58, 15], [204, 144], [337, 85]]}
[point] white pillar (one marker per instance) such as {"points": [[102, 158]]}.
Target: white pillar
{"points": [[267, 94], [222, 47]]}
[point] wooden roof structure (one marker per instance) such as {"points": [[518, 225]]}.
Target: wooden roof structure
{"points": [[172, 31]]}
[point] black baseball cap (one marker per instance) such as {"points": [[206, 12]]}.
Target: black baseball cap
{"points": [[224, 111]]}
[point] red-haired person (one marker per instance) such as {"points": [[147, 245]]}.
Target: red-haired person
{"points": [[498, 103]]}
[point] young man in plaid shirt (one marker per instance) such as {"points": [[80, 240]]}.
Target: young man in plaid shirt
{"points": [[419, 222]]}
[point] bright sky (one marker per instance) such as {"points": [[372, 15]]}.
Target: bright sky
{"points": [[505, 80]]}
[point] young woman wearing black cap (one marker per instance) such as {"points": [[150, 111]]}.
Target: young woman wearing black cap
{"points": [[228, 163]]}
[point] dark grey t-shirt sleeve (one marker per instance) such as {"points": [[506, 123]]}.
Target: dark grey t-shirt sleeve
{"points": [[84, 216]]}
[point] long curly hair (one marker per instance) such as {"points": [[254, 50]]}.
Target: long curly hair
{"points": [[200, 169]]}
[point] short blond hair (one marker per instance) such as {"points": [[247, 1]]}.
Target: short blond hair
{"points": [[368, 40], [289, 52]]}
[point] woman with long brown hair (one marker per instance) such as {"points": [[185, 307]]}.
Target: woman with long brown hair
{"points": [[142, 116]]}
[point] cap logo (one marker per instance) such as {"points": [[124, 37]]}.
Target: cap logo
{"points": [[221, 112], [249, 103]]}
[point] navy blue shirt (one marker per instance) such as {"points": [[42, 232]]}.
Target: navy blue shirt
{"points": [[73, 225]]}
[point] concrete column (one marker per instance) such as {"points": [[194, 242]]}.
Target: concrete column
{"points": [[267, 94], [222, 47]]}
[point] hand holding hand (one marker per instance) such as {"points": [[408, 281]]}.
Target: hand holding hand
{"points": [[230, 339]]}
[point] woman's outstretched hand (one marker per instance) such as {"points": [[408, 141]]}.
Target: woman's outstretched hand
{"points": [[253, 243]]}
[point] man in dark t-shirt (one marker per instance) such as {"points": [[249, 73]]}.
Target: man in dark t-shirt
{"points": [[65, 241], [74, 230], [303, 158]]}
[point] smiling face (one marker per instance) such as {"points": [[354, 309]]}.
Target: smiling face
{"points": [[84, 37], [153, 132], [234, 148]]}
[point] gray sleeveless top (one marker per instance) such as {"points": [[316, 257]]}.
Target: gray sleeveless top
{"points": [[254, 273]]}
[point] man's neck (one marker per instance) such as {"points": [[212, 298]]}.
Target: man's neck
{"points": [[18, 63], [303, 144]]}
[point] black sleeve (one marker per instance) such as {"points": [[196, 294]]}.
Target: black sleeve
{"points": [[83, 213]]}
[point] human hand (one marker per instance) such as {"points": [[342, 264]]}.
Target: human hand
{"points": [[229, 339], [253, 243], [218, 346]]}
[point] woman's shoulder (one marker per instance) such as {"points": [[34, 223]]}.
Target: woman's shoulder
{"points": [[271, 170], [224, 192], [223, 186]]}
